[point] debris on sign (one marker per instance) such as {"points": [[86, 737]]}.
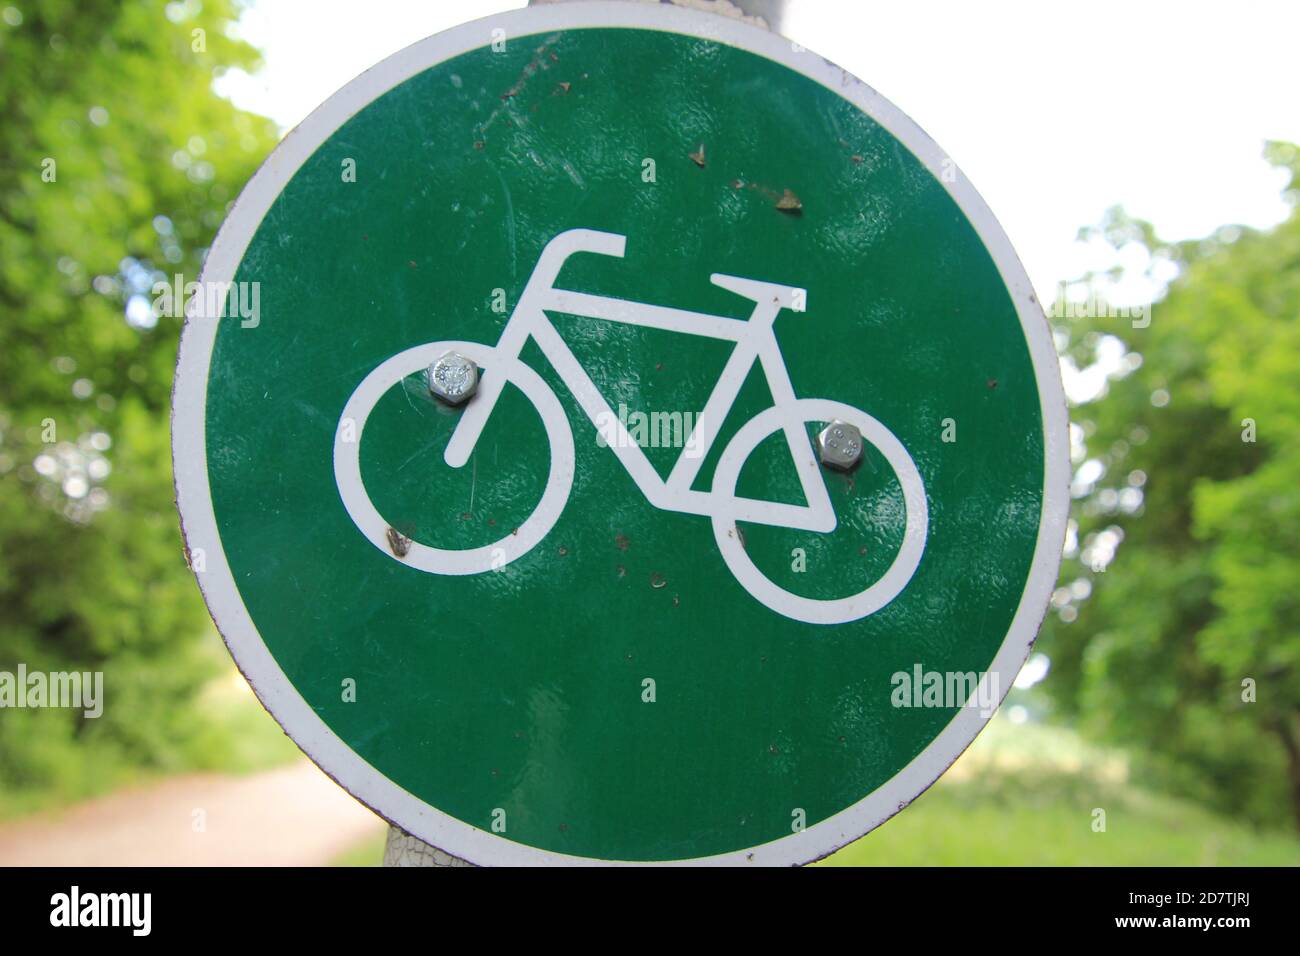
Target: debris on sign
{"points": [[398, 543], [789, 202], [786, 200]]}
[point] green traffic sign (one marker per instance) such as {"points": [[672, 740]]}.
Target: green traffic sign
{"points": [[647, 446]]}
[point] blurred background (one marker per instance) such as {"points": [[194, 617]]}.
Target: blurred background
{"points": [[1141, 158]]}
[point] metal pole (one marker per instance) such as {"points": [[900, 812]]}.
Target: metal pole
{"points": [[402, 849], [768, 13]]}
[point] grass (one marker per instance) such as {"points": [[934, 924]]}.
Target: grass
{"points": [[368, 853], [1031, 795], [956, 825], [1026, 795]]}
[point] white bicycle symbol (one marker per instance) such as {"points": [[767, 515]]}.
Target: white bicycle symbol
{"points": [[755, 340]]}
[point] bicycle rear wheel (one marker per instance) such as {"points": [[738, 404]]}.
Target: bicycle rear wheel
{"points": [[423, 557]]}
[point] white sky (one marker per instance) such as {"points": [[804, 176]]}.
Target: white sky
{"points": [[1055, 110]]}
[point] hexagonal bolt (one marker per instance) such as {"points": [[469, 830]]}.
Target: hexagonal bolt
{"points": [[453, 378], [839, 446]]}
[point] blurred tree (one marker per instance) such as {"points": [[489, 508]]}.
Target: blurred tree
{"points": [[1176, 626], [118, 163]]}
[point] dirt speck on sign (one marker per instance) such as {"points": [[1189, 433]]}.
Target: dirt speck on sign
{"points": [[790, 203], [787, 201], [398, 543]]}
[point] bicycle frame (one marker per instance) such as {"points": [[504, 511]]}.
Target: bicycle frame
{"points": [[754, 338]]}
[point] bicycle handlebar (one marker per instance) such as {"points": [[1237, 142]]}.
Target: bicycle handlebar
{"points": [[784, 296], [558, 250], [571, 241]]}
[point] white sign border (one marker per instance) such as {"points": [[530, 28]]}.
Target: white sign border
{"points": [[198, 521]]}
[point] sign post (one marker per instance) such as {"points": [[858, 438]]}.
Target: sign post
{"points": [[648, 449]]}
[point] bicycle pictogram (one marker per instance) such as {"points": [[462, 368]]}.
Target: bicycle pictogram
{"points": [[755, 341]]}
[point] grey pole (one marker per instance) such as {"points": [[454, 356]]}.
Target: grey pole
{"points": [[402, 849], [768, 13]]}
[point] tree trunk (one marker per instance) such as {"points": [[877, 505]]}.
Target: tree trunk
{"points": [[1290, 735]]}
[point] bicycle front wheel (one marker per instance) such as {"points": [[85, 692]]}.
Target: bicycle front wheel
{"points": [[731, 545]]}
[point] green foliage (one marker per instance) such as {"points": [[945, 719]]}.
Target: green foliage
{"points": [[118, 163], [1201, 595]]}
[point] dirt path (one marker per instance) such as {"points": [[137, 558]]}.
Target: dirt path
{"points": [[291, 816]]}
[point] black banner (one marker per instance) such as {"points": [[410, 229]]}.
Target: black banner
{"points": [[338, 906]]}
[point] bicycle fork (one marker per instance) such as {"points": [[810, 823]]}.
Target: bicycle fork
{"points": [[517, 330]]}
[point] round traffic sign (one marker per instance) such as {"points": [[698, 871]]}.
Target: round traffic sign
{"points": [[620, 434]]}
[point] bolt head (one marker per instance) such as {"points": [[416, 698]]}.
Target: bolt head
{"points": [[453, 378], [839, 446]]}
